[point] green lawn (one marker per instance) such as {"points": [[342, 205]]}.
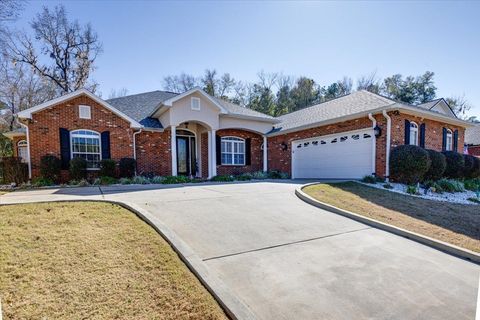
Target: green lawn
{"points": [[457, 224], [90, 260]]}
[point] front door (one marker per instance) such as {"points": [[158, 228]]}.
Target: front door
{"points": [[186, 164]]}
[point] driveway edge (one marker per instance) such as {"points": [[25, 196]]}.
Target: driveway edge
{"points": [[433, 243], [233, 307]]}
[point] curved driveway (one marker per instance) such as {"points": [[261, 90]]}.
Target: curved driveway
{"points": [[286, 259]]}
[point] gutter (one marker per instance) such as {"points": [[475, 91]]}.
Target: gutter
{"points": [[387, 151], [374, 144], [134, 149]]}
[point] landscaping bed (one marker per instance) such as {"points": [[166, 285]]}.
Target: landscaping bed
{"points": [[89, 260], [458, 224]]}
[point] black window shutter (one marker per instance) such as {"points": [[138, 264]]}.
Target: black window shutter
{"points": [[218, 145], [455, 141], [248, 152], [65, 148], [422, 135], [106, 145], [444, 139], [407, 132]]}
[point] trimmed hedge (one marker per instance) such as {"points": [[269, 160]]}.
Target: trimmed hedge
{"points": [[476, 168], [127, 167], [50, 167], [13, 170], [107, 168], [78, 168], [455, 165], [409, 164], [437, 166], [472, 166]]}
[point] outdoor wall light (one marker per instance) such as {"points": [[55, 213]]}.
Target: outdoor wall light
{"points": [[377, 131], [284, 146]]}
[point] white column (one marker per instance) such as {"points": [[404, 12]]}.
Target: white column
{"points": [[214, 153], [265, 154], [173, 147]]}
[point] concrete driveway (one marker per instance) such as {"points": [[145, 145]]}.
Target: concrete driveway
{"points": [[286, 259]]}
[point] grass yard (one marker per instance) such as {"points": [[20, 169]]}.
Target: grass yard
{"points": [[90, 260], [457, 224]]}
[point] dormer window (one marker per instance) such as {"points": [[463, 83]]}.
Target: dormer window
{"points": [[84, 112], [195, 104]]}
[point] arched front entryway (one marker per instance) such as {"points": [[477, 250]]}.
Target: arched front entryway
{"points": [[187, 164]]}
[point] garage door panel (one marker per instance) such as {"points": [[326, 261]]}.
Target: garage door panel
{"points": [[350, 156]]}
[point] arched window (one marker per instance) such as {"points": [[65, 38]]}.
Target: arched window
{"points": [[86, 144], [413, 134], [233, 151], [22, 150], [449, 140]]}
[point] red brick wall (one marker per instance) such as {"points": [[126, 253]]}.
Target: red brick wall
{"points": [[474, 150], [45, 125], [204, 154], [154, 153], [256, 152]]}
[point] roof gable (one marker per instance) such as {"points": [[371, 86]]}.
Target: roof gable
{"points": [[27, 114], [438, 105]]}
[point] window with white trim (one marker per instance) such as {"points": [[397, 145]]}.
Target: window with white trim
{"points": [[233, 151], [22, 150], [84, 112], [86, 144], [449, 140], [413, 134], [195, 104]]}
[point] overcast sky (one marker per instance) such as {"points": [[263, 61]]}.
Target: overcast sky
{"points": [[145, 41]]}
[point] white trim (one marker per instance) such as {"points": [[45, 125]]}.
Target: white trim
{"points": [[209, 153], [232, 152], [374, 144], [214, 153], [29, 157], [86, 136], [265, 154], [194, 135], [387, 149], [192, 103], [27, 114], [416, 130], [24, 145], [449, 133], [86, 110], [173, 147], [169, 102]]}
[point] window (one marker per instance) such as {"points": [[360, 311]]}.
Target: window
{"points": [[233, 151], [84, 112], [449, 141], [22, 150], [195, 104], [366, 136], [86, 144], [413, 134], [356, 137], [344, 138]]}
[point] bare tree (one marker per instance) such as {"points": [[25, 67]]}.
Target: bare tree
{"points": [[10, 9], [69, 48], [225, 85], [117, 93], [210, 81], [180, 83], [267, 80], [369, 82], [459, 105], [21, 89]]}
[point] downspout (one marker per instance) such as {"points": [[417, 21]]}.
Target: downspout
{"points": [[374, 144], [28, 151], [135, 148], [387, 154]]}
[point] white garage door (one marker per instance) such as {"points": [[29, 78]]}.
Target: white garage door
{"points": [[341, 156]]}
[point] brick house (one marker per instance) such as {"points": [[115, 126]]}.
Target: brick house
{"points": [[196, 134], [472, 140]]}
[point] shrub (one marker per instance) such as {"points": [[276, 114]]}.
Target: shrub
{"points": [[412, 189], [50, 167], [472, 166], [434, 186], [472, 184], [107, 168], [42, 182], [140, 180], [437, 166], [223, 178], [276, 174], [105, 180], [369, 179], [175, 179], [455, 164], [476, 168], [127, 167], [409, 164], [244, 177], [13, 170], [388, 186], [157, 179], [475, 200], [259, 175], [450, 185], [78, 168], [125, 181]]}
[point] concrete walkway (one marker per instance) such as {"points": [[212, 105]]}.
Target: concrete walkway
{"points": [[286, 259]]}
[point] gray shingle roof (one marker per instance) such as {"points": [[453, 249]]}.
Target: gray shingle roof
{"points": [[429, 105], [140, 106], [472, 135], [356, 102], [242, 111]]}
